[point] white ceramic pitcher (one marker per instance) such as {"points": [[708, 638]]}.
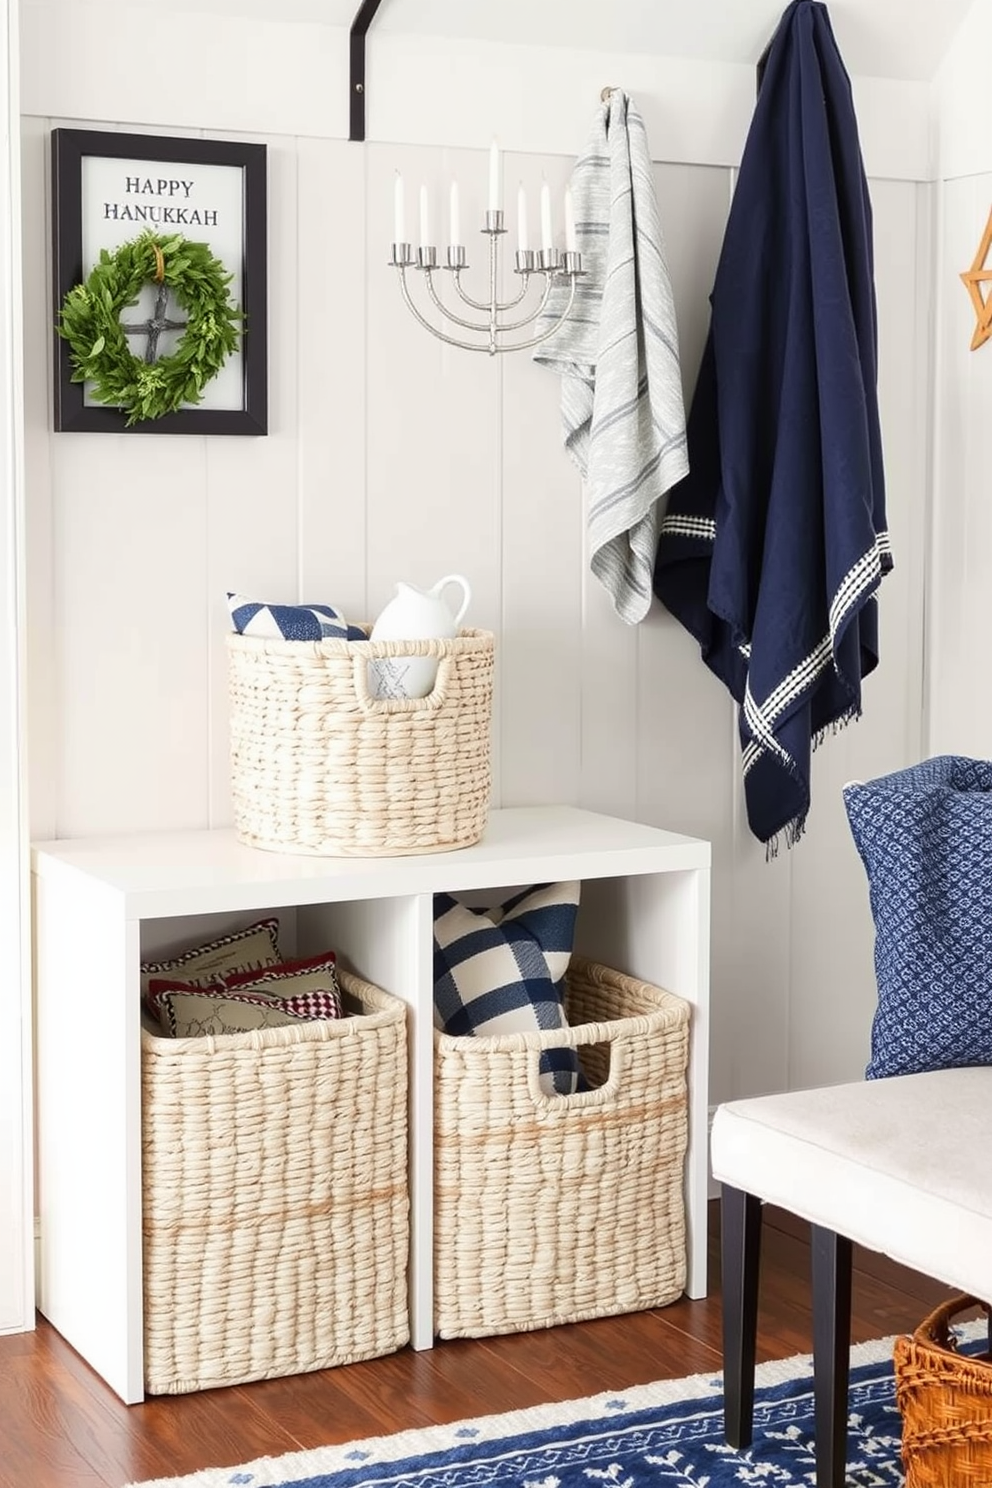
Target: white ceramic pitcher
{"points": [[415, 615]]}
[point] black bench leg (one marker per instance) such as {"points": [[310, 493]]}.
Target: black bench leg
{"points": [[740, 1248], [831, 1261]]}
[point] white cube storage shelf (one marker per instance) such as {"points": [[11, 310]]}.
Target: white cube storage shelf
{"points": [[102, 904]]}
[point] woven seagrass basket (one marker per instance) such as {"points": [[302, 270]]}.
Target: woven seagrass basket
{"points": [[275, 1202], [945, 1399], [548, 1208], [318, 765]]}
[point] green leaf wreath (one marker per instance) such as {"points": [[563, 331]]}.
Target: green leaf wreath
{"points": [[90, 320]]}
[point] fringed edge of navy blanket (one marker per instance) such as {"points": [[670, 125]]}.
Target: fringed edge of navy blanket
{"points": [[773, 546]]}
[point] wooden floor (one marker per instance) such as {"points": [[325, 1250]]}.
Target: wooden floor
{"points": [[61, 1427]]}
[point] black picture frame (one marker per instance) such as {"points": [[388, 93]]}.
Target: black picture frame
{"points": [[70, 148]]}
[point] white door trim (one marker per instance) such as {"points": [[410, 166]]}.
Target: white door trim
{"points": [[16, 1126]]}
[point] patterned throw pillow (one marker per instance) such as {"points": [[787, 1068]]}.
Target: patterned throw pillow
{"points": [[250, 950], [291, 990], [500, 970], [193, 1012], [925, 838], [291, 622], [289, 978]]}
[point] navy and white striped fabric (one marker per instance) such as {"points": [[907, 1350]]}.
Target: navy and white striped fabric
{"points": [[291, 622], [772, 550], [618, 354], [500, 970]]}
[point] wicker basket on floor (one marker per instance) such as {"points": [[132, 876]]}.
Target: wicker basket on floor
{"points": [[320, 766], [549, 1208], [945, 1399], [275, 1199]]}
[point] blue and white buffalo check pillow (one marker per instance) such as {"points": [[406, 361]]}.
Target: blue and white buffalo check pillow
{"points": [[290, 622], [501, 970]]}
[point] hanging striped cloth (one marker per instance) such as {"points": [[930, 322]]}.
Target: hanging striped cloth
{"points": [[621, 398]]}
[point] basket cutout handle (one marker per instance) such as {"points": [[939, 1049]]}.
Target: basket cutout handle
{"points": [[434, 700], [607, 1060]]}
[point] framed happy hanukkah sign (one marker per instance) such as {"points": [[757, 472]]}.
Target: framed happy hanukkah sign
{"points": [[160, 284]]}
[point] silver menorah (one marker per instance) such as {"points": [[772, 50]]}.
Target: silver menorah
{"points": [[546, 261]]}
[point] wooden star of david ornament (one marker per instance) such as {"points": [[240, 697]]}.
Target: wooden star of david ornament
{"points": [[973, 279]]}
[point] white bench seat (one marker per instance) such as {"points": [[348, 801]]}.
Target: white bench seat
{"points": [[900, 1165]]}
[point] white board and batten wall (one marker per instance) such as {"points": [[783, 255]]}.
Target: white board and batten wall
{"points": [[391, 456], [959, 699], [16, 1208]]}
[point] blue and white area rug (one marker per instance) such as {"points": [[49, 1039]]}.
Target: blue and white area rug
{"points": [[666, 1435]]}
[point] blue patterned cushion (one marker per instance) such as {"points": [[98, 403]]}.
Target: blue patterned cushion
{"points": [[291, 622], [500, 970], [925, 838]]}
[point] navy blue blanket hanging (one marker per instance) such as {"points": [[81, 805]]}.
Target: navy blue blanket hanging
{"points": [[773, 546]]}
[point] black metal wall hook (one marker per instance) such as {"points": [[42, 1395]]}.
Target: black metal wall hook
{"points": [[359, 30]]}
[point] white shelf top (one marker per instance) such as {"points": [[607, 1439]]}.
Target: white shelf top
{"points": [[160, 874]]}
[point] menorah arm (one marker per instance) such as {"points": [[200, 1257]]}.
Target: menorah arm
{"points": [[467, 298], [536, 340], [449, 340], [514, 325], [491, 329], [470, 325], [501, 305]]}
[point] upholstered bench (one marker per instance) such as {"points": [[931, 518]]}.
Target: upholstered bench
{"points": [[900, 1165]]}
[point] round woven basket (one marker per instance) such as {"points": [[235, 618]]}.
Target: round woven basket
{"points": [[945, 1400], [319, 765]]}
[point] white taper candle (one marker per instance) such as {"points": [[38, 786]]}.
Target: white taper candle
{"points": [[399, 234], [425, 219], [521, 219], [547, 239]]}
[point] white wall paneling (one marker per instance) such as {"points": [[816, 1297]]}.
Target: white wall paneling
{"points": [[253, 516], [962, 107], [130, 563], [959, 710], [539, 98], [244, 75], [267, 75], [41, 637], [333, 262], [960, 705], [544, 587], [16, 1209], [879, 38]]}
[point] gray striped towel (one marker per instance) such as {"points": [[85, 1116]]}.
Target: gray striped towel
{"points": [[621, 396]]}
